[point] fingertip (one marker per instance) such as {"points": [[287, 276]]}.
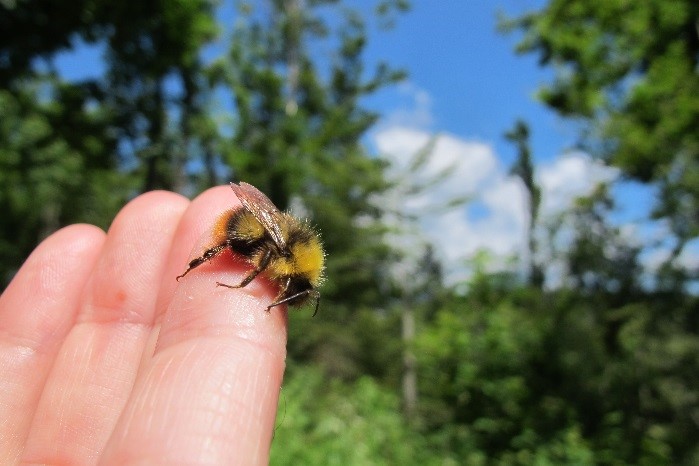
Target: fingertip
{"points": [[40, 303], [201, 309], [78, 235], [198, 222], [160, 203], [48, 268]]}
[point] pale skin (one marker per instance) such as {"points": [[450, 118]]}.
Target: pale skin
{"points": [[106, 359]]}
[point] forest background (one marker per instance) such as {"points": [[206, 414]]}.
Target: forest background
{"points": [[563, 331]]}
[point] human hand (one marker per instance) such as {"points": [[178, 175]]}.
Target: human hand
{"points": [[106, 359]]}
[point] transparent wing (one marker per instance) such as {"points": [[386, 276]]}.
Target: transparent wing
{"points": [[262, 209]]}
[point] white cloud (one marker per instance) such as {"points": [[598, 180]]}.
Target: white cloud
{"points": [[471, 163], [689, 258], [660, 239], [474, 172], [568, 177], [415, 109], [495, 218]]}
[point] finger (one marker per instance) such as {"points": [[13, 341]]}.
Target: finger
{"points": [[36, 311], [209, 394], [97, 364]]}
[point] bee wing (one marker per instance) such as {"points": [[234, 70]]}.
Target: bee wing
{"points": [[262, 209]]}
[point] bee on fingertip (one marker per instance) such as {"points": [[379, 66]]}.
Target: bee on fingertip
{"points": [[280, 246]]}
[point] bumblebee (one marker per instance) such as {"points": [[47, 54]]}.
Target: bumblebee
{"points": [[286, 249]]}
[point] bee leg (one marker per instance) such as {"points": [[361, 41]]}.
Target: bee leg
{"points": [[264, 262], [207, 256], [278, 301]]}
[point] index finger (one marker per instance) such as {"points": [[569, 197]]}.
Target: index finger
{"points": [[209, 393]]}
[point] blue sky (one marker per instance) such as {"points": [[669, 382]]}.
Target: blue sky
{"points": [[467, 86], [478, 86]]}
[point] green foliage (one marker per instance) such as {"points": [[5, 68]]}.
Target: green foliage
{"points": [[329, 422], [599, 260], [367, 344], [559, 378], [77, 151], [636, 94], [47, 166], [629, 70], [296, 115], [150, 46]]}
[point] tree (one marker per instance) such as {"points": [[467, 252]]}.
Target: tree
{"points": [[524, 169], [152, 45], [56, 142], [628, 71], [52, 154], [76, 151]]}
